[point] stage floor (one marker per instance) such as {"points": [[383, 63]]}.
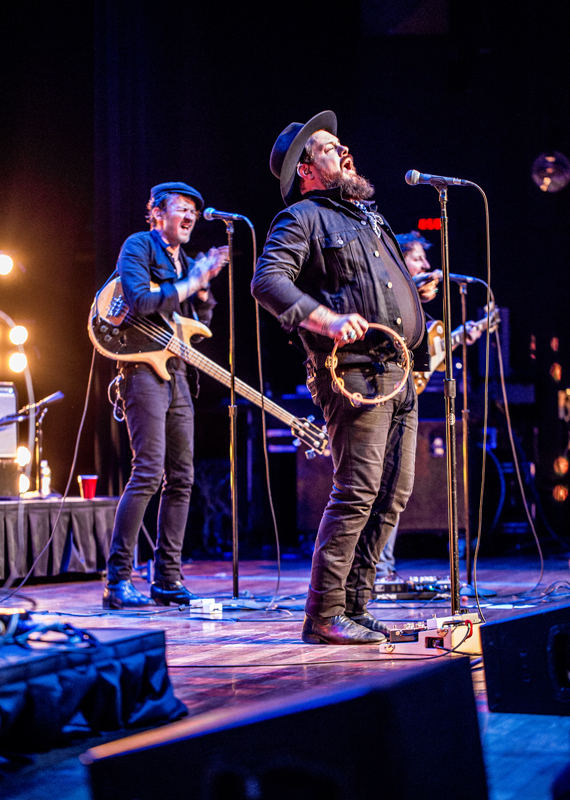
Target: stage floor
{"points": [[250, 654]]}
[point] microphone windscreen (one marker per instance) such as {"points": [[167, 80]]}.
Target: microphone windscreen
{"points": [[412, 177]]}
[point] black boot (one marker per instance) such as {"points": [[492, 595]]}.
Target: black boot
{"points": [[123, 594], [167, 592], [338, 630], [368, 621]]}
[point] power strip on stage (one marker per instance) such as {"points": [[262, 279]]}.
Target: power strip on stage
{"points": [[432, 637]]}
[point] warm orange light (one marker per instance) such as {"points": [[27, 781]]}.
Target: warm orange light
{"points": [[6, 264], [560, 493], [18, 334], [561, 465], [556, 372], [23, 456], [18, 362], [555, 343]]}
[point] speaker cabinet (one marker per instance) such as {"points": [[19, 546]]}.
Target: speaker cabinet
{"points": [[527, 662], [427, 507], [393, 736], [8, 433]]}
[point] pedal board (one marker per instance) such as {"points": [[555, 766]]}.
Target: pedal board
{"points": [[424, 587], [432, 637]]}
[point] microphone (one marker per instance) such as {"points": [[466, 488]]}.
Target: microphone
{"points": [[413, 177], [464, 279], [437, 274], [211, 213], [51, 398]]}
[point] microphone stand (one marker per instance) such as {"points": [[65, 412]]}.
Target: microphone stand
{"points": [[233, 414], [465, 428], [467, 590], [39, 410], [450, 392]]}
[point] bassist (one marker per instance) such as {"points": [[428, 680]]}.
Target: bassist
{"points": [[158, 278]]}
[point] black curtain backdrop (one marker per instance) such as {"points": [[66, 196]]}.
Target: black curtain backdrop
{"points": [[102, 100]]}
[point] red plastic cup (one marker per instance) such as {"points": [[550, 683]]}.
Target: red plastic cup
{"points": [[87, 486]]}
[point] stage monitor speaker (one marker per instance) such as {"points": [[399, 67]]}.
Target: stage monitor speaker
{"points": [[527, 662], [8, 433], [407, 733]]}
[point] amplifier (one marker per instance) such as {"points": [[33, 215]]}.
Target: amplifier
{"points": [[8, 433]]}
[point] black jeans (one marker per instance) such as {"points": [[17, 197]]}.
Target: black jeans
{"points": [[160, 421], [373, 450]]}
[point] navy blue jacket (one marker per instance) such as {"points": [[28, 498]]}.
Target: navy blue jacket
{"points": [[144, 259]]}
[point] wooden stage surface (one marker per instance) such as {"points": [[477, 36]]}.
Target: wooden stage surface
{"points": [[250, 654]]}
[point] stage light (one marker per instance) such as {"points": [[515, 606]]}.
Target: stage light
{"points": [[564, 404], [17, 362], [23, 456], [551, 172], [561, 465], [18, 334], [6, 264], [560, 493], [556, 372], [24, 483]]}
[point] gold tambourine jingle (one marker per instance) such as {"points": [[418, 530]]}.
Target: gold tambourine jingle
{"points": [[356, 398]]}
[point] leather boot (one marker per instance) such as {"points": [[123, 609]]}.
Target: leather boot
{"points": [[123, 594], [368, 621], [167, 592], [338, 630]]}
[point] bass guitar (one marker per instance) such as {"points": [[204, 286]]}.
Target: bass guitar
{"points": [[436, 344], [118, 333]]}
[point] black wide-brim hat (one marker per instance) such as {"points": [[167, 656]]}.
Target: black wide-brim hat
{"points": [[289, 147]]}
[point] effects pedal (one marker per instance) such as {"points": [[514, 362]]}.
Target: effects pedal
{"points": [[432, 637], [206, 606], [424, 587]]}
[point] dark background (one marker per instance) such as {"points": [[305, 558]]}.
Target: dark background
{"points": [[101, 100]]}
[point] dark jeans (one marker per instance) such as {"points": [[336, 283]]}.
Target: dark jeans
{"points": [[160, 421], [373, 450]]}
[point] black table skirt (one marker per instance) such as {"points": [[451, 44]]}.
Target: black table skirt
{"points": [[81, 540]]}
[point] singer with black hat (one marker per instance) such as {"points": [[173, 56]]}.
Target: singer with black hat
{"points": [[330, 266], [158, 278]]}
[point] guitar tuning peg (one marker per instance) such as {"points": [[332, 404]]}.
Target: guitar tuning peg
{"points": [[310, 454], [311, 418], [297, 442]]}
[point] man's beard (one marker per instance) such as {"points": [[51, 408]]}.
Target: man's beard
{"points": [[353, 185]]}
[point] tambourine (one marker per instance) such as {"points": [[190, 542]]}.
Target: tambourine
{"points": [[355, 397]]}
